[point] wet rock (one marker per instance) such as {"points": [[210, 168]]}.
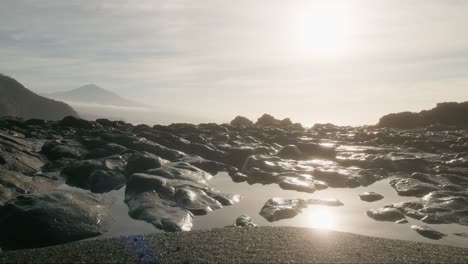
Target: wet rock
{"points": [[371, 196], [385, 214], [244, 221], [13, 184], [241, 121], [77, 174], [210, 166], [337, 179], [290, 152], [196, 201], [182, 171], [54, 150], [412, 187], [163, 214], [18, 154], [280, 208], [439, 207], [402, 221], [170, 200], [50, 218], [313, 150], [300, 182], [141, 162], [142, 144], [102, 181], [428, 232], [464, 234], [239, 177]]}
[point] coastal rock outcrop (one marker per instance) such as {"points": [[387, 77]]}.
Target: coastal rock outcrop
{"points": [[449, 114]]}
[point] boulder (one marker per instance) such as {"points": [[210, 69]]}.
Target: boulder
{"points": [[141, 162], [241, 121], [385, 214], [244, 221], [428, 232], [102, 181], [51, 218], [280, 208]]}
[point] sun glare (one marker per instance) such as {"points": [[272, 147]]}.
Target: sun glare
{"points": [[321, 30], [322, 218]]}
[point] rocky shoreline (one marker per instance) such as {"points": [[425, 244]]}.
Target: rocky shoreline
{"points": [[165, 171]]}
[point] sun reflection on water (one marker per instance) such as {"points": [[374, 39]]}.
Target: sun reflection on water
{"points": [[322, 217]]}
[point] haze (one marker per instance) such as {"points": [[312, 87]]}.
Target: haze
{"points": [[344, 62]]}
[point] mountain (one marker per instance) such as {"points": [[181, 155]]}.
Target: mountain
{"points": [[92, 94], [450, 113], [16, 100]]}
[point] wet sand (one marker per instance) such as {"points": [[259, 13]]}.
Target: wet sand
{"points": [[243, 245]]}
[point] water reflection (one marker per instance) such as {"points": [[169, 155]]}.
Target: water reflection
{"points": [[321, 217]]}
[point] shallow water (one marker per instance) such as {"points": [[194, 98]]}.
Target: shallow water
{"points": [[348, 218]]}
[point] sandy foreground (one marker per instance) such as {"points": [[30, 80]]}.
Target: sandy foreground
{"points": [[243, 245]]}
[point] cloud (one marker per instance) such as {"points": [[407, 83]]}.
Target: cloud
{"points": [[219, 58]]}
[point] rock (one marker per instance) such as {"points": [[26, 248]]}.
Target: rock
{"points": [[402, 221], [439, 207], [464, 234], [336, 179], [290, 152], [101, 181], [50, 218], [313, 150], [241, 121], [412, 187], [63, 149], [196, 201], [142, 144], [244, 221], [451, 113], [280, 208], [182, 171], [301, 183], [161, 213], [210, 166], [428, 232], [141, 162], [267, 120], [13, 184], [169, 203], [239, 177], [78, 173], [18, 154], [74, 122], [371, 196], [385, 214]]}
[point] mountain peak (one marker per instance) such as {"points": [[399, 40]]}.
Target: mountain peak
{"points": [[92, 93]]}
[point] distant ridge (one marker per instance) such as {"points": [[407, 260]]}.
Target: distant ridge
{"points": [[449, 113], [92, 94], [18, 101]]}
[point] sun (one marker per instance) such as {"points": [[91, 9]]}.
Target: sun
{"points": [[322, 218], [321, 30]]}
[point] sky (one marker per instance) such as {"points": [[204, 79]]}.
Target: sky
{"points": [[345, 62]]}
